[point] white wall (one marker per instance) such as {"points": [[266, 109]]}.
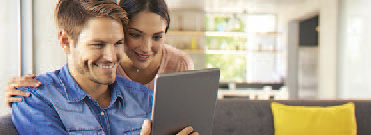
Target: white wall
{"points": [[49, 55], [9, 49], [328, 10], [328, 49], [354, 49]]}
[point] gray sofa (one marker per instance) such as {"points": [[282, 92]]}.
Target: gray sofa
{"points": [[6, 126], [252, 117]]}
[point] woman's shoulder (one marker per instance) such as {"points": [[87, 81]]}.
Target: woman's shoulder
{"points": [[175, 54], [176, 60]]}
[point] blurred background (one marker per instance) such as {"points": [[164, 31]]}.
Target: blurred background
{"points": [[266, 49]]}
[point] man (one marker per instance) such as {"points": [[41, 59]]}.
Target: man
{"points": [[85, 96]]}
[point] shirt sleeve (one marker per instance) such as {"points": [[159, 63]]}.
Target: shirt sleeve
{"points": [[35, 116]]}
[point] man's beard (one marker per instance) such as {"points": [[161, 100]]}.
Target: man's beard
{"points": [[87, 72]]}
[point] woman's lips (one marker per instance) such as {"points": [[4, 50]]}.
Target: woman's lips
{"points": [[142, 57]]}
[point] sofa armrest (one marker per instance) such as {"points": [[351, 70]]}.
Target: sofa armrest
{"points": [[6, 125]]}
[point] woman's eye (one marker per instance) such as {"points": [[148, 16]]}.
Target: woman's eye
{"points": [[134, 35], [119, 43], [156, 38]]}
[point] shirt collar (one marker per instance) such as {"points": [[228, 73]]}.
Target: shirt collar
{"points": [[75, 94], [73, 91], [116, 92]]}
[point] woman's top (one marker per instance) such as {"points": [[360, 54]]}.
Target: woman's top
{"points": [[173, 60]]}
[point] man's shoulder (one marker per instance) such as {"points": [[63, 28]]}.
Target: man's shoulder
{"points": [[49, 82], [49, 77]]}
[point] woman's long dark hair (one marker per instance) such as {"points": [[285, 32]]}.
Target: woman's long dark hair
{"points": [[133, 7]]}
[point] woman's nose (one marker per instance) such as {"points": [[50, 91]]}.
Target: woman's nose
{"points": [[147, 45]]}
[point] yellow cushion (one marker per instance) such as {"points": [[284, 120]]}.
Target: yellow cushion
{"points": [[314, 120]]}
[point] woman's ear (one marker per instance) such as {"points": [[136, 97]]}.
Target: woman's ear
{"points": [[64, 40]]}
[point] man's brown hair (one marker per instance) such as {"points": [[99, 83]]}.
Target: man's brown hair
{"points": [[71, 15]]}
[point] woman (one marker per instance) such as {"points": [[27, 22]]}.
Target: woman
{"points": [[146, 53]]}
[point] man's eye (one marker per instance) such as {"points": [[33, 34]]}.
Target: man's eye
{"points": [[134, 35], [96, 45], [156, 38]]}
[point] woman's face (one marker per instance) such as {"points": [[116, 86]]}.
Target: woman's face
{"points": [[144, 38]]}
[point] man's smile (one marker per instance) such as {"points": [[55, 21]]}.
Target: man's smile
{"points": [[106, 68]]}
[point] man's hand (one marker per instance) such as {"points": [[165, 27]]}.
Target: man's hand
{"points": [[187, 131], [146, 129], [11, 91]]}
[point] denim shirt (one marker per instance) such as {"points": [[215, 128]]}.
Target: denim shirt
{"points": [[60, 106]]}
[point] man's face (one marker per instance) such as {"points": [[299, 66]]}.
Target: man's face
{"points": [[98, 51]]}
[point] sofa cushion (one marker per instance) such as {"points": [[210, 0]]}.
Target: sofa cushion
{"points": [[254, 117], [314, 120], [6, 125]]}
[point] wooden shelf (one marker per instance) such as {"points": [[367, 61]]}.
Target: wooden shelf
{"points": [[193, 51], [223, 34], [240, 34], [199, 33], [226, 52], [242, 52]]}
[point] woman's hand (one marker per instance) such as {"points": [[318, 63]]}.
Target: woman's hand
{"points": [[11, 91]]}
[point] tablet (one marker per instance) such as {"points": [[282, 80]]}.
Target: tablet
{"points": [[185, 99]]}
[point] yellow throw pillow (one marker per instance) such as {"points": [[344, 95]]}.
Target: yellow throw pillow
{"points": [[314, 120]]}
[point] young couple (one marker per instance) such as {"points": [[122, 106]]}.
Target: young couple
{"points": [[86, 96]]}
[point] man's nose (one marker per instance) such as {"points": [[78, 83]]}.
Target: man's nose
{"points": [[109, 53]]}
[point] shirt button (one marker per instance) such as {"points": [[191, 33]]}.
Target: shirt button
{"points": [[102, 113]]}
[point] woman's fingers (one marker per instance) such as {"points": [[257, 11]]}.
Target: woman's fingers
{"points": [[30, 76], [13, 92], [13, 99], [9, 93], [23, 82]]}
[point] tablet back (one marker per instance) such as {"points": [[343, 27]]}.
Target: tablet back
{"points": [[185, 99]]}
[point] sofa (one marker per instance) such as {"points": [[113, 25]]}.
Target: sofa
{"points": [[252, 117]]}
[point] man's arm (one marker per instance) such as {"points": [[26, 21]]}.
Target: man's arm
{"points": [[35, 116]]}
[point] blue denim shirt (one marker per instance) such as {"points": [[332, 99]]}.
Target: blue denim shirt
{"points": [[60, 106]]}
